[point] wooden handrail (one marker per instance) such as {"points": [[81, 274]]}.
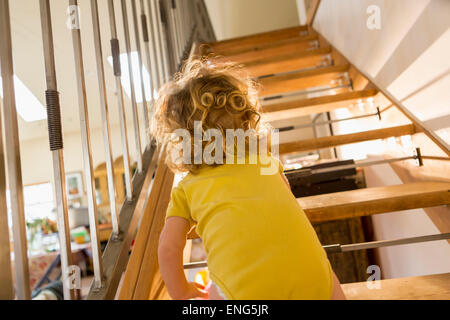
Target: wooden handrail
{"points": [[142, 266], [115, 255], [311, 11]]}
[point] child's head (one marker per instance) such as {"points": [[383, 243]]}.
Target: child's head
{"points": [[219, 95]]}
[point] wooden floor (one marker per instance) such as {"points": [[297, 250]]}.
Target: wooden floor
{"points": [[431, 287]]}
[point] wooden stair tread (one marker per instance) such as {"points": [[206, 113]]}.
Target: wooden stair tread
{"points": [[279, 63], [429, 287], [299, 45], [303, 107], [338, 140], [301, 80], [268, 45], [258, 39], [369, 201]]}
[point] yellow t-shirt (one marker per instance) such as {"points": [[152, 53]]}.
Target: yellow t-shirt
{"points": [[259, 242]]}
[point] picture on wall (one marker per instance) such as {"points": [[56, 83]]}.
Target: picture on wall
{"points": [[74, 185]]}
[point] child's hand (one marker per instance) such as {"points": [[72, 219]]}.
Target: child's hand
{"points": [[194, 290]]}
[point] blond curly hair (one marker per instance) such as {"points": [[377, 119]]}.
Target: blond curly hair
{"points": [[219, 95]]}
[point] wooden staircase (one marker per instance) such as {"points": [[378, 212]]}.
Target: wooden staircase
{"points": [[285, 62], [296, 60], [304, 107]]}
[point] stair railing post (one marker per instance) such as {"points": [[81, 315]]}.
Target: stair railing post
{"points": [[6, 281], [87, 153], [185, 31], [56, 147], [140, 72], [154, 23], [115, 53], [104, 108], [150, 54], [137, 134], [152, 46], [21, 270], [162, 30], [174, 28], [171, 35]]}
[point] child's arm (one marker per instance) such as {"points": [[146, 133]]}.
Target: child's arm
{"points": [[338, 293], [285, 179], [170, 257]]}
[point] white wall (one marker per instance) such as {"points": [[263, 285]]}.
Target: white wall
{"points": [[301, 8], [406, 260], [37, 158], [235, 18], [408, 57]]}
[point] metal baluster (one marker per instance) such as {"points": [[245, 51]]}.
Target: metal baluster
{"points": [[181, 26], [6, 281], [22, 276], [186, 15], [115, 52], [137, 130], [87, 154], [140, 72], [105, 120], [153, 51], [56, 147], [162, 38], [157, 43], [185, 31], [174, 29], [150, 54], [191, 16]]}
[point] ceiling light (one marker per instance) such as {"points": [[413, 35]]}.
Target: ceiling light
{"points": [[28, 106]]}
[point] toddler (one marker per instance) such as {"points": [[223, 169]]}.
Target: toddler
{"points": [[259, 242]]}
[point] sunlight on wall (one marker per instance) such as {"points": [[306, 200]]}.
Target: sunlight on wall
{"points": [[357, 151], [125, 79]]}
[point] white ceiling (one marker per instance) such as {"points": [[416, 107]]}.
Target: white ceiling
{"points": [[29, 61]]}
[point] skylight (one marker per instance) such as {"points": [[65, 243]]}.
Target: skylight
{"points": [[137, 81], [28, 106]]}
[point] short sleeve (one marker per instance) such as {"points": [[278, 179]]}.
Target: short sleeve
{"points": [[280, 166], [178, 206]]}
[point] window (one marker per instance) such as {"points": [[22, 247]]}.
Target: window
{"points": [[137, 81], [38, 201]]}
